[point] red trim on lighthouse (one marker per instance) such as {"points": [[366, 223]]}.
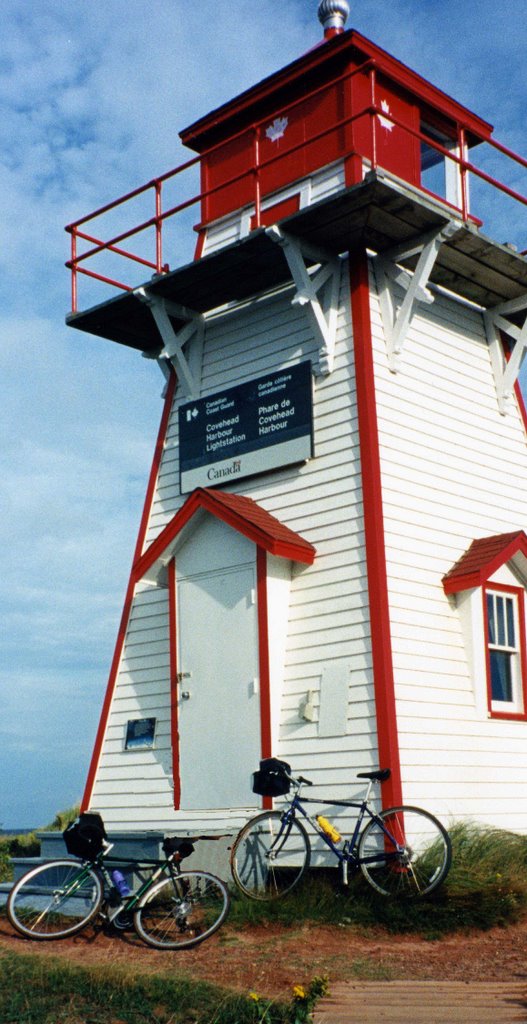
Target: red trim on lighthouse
{"points": [[174, 689], [99, 739], [383, 678], [263, 658], [156, 462]]}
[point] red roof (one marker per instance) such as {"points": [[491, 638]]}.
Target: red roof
{"points": [[483, 558], [321, 64], [242, 514]]}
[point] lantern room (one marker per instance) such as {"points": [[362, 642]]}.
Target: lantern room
{"points": [[322, 123]]}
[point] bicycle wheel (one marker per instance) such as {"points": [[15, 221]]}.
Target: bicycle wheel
{"points": [[179, 912], [266, 860], [409, 855], [54, 900]]}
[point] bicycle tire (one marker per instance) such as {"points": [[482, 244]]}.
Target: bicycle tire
{"points": [[264, 869], [180, 912], [47, 902], [419, 866]]}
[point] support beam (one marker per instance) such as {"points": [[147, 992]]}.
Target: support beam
{"points": [[506, 370], [309, 282], [187, 367], [396, 322]]}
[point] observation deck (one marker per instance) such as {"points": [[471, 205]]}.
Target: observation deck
{"points": [[391, 169]]}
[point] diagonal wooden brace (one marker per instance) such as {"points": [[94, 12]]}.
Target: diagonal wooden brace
{"points": [[308, 284], [188, 369], [506, 370], [396, 322]]}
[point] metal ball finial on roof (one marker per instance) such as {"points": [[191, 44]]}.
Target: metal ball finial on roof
{"points": [[332, 15]]}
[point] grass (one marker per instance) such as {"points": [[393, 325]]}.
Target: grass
{"points": [[486, 887], [48, 990]]}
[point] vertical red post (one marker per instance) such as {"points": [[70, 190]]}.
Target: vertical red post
{"points": [[373, 115], [74, 297], [159, 229], [383, 676], [256, 172]]}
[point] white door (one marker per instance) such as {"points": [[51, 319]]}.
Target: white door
{"points": [[218, 700]]}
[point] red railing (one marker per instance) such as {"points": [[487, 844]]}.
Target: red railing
{"points": [[113, 245]]}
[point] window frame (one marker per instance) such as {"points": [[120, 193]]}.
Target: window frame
{"points": [[450, 171], [517, 708]]}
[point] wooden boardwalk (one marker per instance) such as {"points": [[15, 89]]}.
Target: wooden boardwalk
{"points": [[424, 1002]]}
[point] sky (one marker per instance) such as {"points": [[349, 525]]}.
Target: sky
{"points": [[92, 97]]}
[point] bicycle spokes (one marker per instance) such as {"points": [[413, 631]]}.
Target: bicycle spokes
{"points": [[404, 852]]}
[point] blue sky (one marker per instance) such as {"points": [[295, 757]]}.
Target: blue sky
{"points": [[92, 97]]}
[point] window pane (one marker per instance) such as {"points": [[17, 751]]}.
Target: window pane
{"points": [[432, 170], [511, 638], [491, 621], [501, 621], [501, 675]]}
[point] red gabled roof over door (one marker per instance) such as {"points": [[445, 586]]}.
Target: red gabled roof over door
{"points": [[240, 513]]}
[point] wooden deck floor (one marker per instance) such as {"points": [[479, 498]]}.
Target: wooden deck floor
{"points": [[424, 1002]]}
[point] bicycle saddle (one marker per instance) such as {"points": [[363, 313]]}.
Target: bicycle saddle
{"points": [[181, 847], [379, 776]]}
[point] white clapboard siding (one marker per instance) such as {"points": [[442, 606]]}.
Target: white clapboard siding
{"points": [[453, 469], [329, 614], [142, 692]]}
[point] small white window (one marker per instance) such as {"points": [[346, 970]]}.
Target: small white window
{"points": [[504, 651]]}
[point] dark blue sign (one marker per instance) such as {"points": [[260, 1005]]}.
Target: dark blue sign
{"points": [[247, 429]]}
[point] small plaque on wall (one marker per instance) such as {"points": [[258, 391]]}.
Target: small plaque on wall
{"points": [[140, 733]]}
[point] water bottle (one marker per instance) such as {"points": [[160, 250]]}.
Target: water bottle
{"points": [[121, 884], [328, 829]]}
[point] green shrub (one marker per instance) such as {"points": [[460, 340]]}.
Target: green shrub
{"points": [[27, 844], [5, 862], [62, 819]]}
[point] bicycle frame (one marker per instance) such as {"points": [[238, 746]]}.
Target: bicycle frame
{"points": [[128, 903], [348, 853]]}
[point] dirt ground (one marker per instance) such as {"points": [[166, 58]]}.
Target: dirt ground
{"points": [[270, 960]]}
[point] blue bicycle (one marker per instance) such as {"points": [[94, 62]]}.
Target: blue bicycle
{"points": [[402, 851]]}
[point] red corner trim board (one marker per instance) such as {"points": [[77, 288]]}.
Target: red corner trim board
{"points": [[129, 593], [383, 677]]}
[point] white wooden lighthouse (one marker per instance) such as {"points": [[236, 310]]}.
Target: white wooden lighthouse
{"points": [[332, 558]]}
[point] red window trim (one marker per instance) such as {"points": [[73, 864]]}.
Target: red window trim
{"points": [[519, 593]]}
